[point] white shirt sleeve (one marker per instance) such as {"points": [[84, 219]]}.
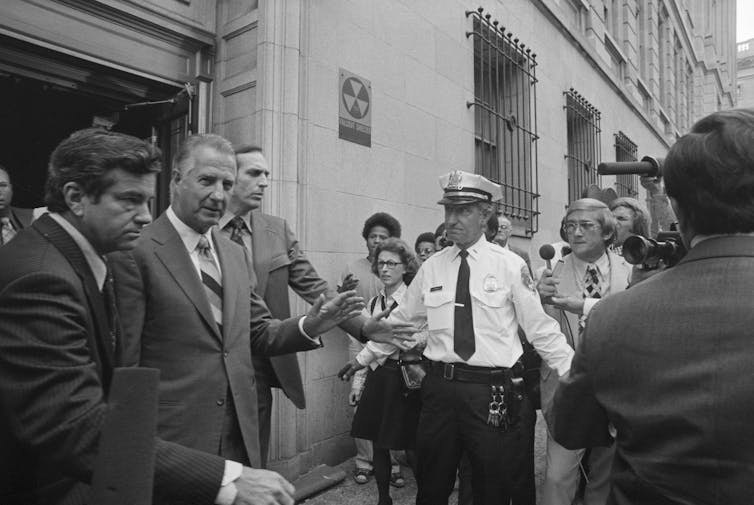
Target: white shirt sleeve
{"points": [[541, 330], [228, 490]]}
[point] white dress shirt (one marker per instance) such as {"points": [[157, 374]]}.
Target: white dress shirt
{"points": [[503, 296]]}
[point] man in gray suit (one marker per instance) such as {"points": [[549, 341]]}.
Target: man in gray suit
{"points": [[665, 365], [194, 315], [278, 263]]}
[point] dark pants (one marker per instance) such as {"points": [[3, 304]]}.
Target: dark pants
{"points": [[453, 421], [266, 380], [524, 490]]}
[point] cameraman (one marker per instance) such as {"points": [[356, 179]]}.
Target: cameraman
{"points": [[666, 362]]}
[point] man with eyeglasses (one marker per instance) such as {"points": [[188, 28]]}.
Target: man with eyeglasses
{"points": [[590, 273], [472, 296]]}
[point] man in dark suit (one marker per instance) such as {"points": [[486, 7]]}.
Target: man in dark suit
{"points": [[60, 338], [193, 310], [11, 220], [663, 366], [278, 263]]}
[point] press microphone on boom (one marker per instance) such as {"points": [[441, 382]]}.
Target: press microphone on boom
{"points": [[547, 253], [649, 166]]}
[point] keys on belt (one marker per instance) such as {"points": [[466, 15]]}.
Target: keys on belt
{"points": [[506, 389]]}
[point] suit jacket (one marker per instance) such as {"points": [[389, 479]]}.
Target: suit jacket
{"points": [[668, 363], [278, 264], [170, 316], [620, 274], [20, 218], [56, 362]]}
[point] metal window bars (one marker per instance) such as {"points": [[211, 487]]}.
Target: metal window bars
{"points": [[626, 150], [505, 117], [584, 151]]}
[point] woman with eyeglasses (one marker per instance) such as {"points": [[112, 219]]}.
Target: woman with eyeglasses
{"points": [[388, 410]]}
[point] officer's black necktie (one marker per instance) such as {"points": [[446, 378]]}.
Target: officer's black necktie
{"points": [[463, 326]]}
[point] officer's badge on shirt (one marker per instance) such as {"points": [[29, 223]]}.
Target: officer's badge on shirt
{"points": [[526, 279]]}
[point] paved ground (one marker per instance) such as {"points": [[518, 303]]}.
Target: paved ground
{"points": [[350, 493]]}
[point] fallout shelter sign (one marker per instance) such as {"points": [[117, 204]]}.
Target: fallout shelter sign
{"points": [[355, 97]]}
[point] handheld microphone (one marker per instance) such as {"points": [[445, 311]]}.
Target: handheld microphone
{"points": [[547, 252]]}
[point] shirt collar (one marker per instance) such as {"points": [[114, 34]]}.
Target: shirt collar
{"points": [[189, 236], [94, 260], [397, 295], [602, 264], [474, 249], [229, 215]]}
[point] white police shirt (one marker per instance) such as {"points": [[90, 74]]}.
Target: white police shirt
{"points": [[503, 296]]}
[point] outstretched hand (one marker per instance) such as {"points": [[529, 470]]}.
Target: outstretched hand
{"points": [[547, 287], [378, 329], [349, 282], [325, 315]]}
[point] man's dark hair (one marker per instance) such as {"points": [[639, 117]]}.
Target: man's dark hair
{"points": [[88, 156], [7, 172], [247, 148], [710, 173], [384, 219]]}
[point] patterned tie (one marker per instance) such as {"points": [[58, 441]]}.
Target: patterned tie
{"points": [[463, 325], [6, 230], [237, 226], [592, 289], [211, 279]]}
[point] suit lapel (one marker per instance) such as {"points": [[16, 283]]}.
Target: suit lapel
{"points": [[261, 255], [170, 250], [60, 238], [231, 265]]}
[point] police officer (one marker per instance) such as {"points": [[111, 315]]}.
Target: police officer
{"points": [[473, 295]]}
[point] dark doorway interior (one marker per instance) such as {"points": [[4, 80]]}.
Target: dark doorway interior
{"points": [[43, 103]]}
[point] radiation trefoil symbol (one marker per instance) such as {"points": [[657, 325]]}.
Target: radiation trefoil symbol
{"points": [[355, 97]]}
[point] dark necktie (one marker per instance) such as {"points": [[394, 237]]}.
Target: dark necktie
{"points": [[108, 297], [463, 325], [211, 280], [236, 226]]}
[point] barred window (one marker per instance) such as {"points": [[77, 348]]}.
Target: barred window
{"points": [[584, 150], [505, 118], [626, 150]]}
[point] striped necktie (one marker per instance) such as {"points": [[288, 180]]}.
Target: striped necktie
{"points": [[211, 280]]}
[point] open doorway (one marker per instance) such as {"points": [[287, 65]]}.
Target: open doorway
{"points": [[45, 96]]}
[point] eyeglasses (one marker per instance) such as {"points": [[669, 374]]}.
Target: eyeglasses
{"points": [[428, 250], [389, 263], [584, 226], [503, 227]]}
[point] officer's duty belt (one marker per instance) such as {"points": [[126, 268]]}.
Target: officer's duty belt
{"points": [[462, 372]]}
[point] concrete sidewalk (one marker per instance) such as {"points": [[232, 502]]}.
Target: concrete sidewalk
{"points": [[349, 492]]}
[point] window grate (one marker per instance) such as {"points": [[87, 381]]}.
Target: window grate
{"points": [[505, 118], [584, 152], [626, 150]]}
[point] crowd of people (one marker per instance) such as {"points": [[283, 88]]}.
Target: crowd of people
{"points": [[454, 342]]}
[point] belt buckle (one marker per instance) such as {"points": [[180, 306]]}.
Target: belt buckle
{"points": [[448, 371]]}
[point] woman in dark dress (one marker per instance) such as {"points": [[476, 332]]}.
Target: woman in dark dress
{"points": [[388, 410]]}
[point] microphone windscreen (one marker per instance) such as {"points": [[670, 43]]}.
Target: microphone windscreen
{"points": [[547, 252]]}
